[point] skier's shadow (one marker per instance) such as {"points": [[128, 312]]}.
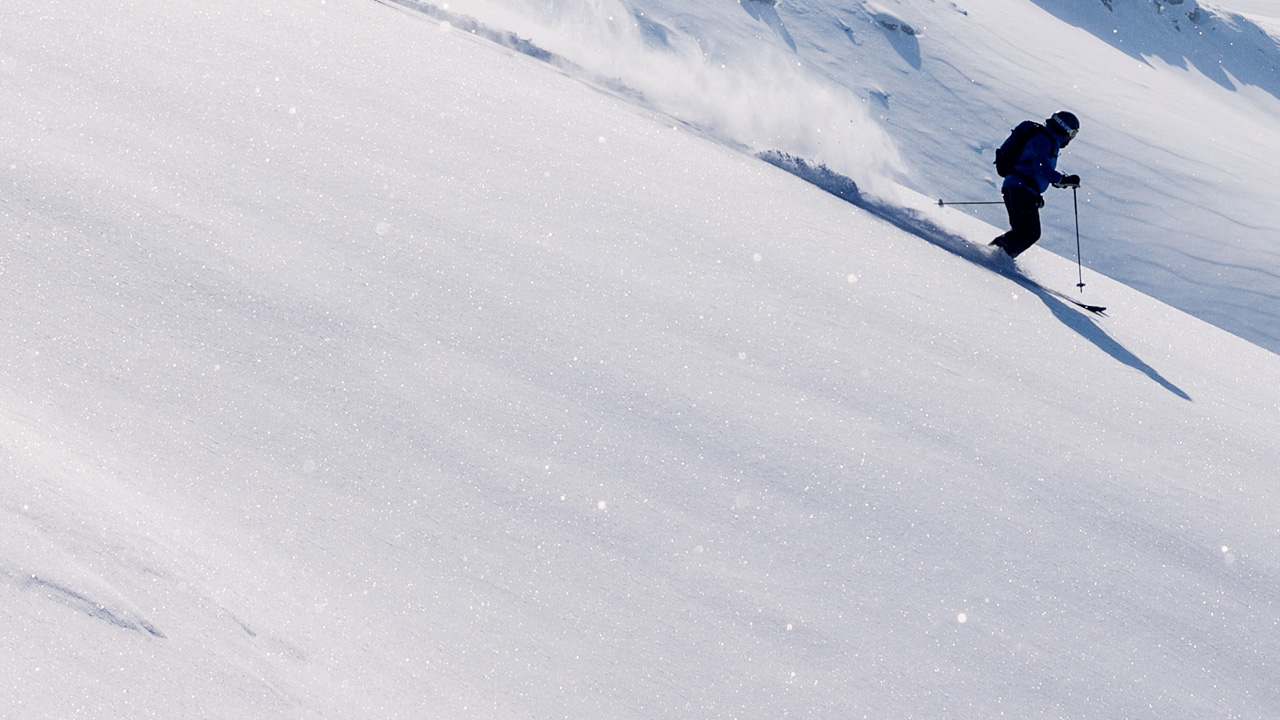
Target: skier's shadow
{"points": [[1089, 330], [926, 229]]}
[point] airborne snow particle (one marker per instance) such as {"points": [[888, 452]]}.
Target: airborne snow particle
{"points": [[602, 505], [382, 228], [962, 618]]}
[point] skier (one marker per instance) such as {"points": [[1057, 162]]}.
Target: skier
{"points": [[1029, 171]]}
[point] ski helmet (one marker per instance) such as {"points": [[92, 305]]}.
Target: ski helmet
{"points": [[1066, 122]]}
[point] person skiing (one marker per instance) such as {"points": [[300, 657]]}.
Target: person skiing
{"points": [[1029, 170]]}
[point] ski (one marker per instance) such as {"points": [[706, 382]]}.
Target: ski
{"points": [[1095, 309]]}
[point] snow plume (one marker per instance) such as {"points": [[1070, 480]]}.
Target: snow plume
{"points": [[765, 99]]}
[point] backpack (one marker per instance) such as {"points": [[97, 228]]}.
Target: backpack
{"points": [[1009, 153]]}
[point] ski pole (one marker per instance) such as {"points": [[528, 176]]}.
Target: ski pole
{"points": [[943, 203], [1079, 264]]}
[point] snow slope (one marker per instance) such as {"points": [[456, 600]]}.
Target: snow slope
{"points": [[1181, 121], [358, 367]]}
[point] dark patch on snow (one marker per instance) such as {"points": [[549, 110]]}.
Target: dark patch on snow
{"points": [[655, 34], [247, 630], [92, 608], [848, 31], [901, 36]]}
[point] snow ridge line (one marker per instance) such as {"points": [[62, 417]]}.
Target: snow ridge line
{"points": [[903, 218]]}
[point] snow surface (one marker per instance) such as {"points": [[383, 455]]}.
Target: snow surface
{"points": [[357, 366]]}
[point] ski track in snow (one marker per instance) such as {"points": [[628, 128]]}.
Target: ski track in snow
{"points": [[89, 606]]}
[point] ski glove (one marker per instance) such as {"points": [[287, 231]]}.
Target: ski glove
{"points": [[1068, 181]]}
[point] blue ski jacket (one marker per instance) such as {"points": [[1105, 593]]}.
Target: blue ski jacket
{"points": [[1037, 167]]}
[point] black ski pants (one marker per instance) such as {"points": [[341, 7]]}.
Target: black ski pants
{"points": [[1024, 220]]}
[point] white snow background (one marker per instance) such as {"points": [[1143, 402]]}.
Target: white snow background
{"points": [[358, 366]]}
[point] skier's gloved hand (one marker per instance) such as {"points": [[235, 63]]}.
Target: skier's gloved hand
{"points": [[1068, 181]]}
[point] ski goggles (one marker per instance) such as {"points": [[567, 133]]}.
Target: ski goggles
{"points": [[1071, 132]]}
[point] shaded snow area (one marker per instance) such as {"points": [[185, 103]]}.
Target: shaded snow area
{"points": [[358, 365]]}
